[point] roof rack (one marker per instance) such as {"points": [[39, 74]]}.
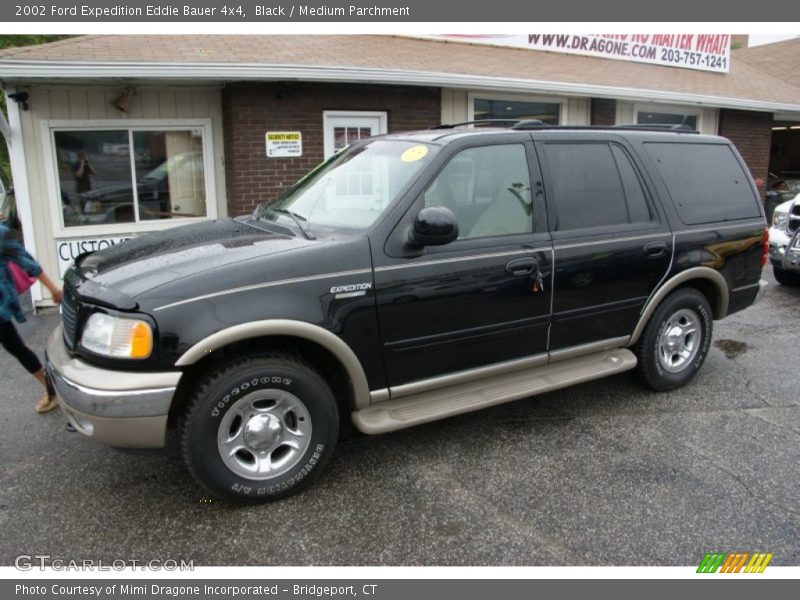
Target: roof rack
{"points": [[535, 124], [515, 123], [682, 128]]}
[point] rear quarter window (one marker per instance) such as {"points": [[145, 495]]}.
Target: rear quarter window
{"points": [[705, 181]]}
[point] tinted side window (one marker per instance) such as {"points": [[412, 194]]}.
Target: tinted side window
{"points": [[594, 185], [488, 189], [705, 181]]}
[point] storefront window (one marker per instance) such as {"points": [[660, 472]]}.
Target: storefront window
{"points": [[101, 181], [546, 112], [664, 118]]}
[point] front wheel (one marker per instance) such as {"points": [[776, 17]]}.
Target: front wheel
{"points": [[259, 429], [675, 342]]}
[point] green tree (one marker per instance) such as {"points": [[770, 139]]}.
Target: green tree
{"points": [[11, 41]]}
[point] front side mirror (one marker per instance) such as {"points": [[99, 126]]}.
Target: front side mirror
{"points": [[434, 226]]}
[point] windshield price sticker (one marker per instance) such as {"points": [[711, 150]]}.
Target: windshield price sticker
{"points": [[414, 154], [281, 144]]}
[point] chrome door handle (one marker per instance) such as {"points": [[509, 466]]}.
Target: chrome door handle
{"points": [[655, 249], [520, 267]]}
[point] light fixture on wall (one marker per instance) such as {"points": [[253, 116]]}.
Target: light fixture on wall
{"points": [[20, 98], [123, 101], [281, 91]]}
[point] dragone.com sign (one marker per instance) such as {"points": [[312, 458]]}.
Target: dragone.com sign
{"points": [[705, 52]]}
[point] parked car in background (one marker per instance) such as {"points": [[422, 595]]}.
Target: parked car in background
{"points": [[783, 250]]}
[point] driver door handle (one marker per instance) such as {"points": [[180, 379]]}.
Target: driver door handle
{"points": [[520, 267]]}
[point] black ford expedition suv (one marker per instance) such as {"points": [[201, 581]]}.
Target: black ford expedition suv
{"points": [[409, 278]]}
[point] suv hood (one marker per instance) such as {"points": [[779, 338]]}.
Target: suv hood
{"points": [[154, 259]]}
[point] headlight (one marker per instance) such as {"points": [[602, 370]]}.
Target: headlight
{"points": [[780, 219], [117, 337]]}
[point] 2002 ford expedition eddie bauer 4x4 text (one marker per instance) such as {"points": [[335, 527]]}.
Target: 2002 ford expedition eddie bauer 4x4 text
{"points": [[409, 278]]}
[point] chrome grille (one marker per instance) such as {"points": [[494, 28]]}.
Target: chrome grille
{"points": [[69, 316]]}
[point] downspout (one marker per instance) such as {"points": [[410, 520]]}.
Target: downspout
{"points": [[19, 172]]}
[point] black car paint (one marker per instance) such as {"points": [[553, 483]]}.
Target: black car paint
{"points": [[437, 310]]}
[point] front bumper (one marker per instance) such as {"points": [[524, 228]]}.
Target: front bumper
{"points": [[123, 409]]}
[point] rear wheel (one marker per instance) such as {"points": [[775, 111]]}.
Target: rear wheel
{"points": [[675, 342], [785, 277], [259, 429]]}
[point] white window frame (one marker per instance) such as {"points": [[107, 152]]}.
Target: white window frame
{"points": [[48, 129], [670, 109], [563, 112], [327, 132]]}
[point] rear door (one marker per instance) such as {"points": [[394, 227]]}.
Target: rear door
{"points": [[611, 242], [478, 300]]}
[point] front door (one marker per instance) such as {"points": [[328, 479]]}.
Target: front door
{"points": [[484, 298], [342, 128]]}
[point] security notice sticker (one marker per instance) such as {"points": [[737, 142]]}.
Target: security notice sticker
{"points": [[284, 143]]}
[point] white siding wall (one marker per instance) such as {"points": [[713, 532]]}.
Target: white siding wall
{"points": [[454, 106], [624, 113], [86, 102], [578, 112]]}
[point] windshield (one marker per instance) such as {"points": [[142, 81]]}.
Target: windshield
{"points": [[350, 190]]}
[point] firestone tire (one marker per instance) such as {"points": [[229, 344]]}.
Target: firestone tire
{"points": [[675, 342], [786, 277], [259, 429]]}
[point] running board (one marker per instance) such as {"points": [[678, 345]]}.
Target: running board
{"points": [[424, 407]]}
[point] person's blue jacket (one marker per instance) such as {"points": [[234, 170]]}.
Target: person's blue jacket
{"points": [[12, 250]]}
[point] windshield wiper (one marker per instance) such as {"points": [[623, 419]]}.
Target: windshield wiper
{"points": [[296, 218]]}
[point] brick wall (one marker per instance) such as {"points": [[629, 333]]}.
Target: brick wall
{"points": [[604, 111], [751, 133], [252, 109]]}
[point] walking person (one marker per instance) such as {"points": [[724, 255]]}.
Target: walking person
{"points": [[10, 309]]}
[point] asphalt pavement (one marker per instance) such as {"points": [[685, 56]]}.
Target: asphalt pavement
{"points": [[605, 473]]}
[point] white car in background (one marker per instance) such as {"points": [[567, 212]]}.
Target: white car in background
{"points": [[784, 242]]}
